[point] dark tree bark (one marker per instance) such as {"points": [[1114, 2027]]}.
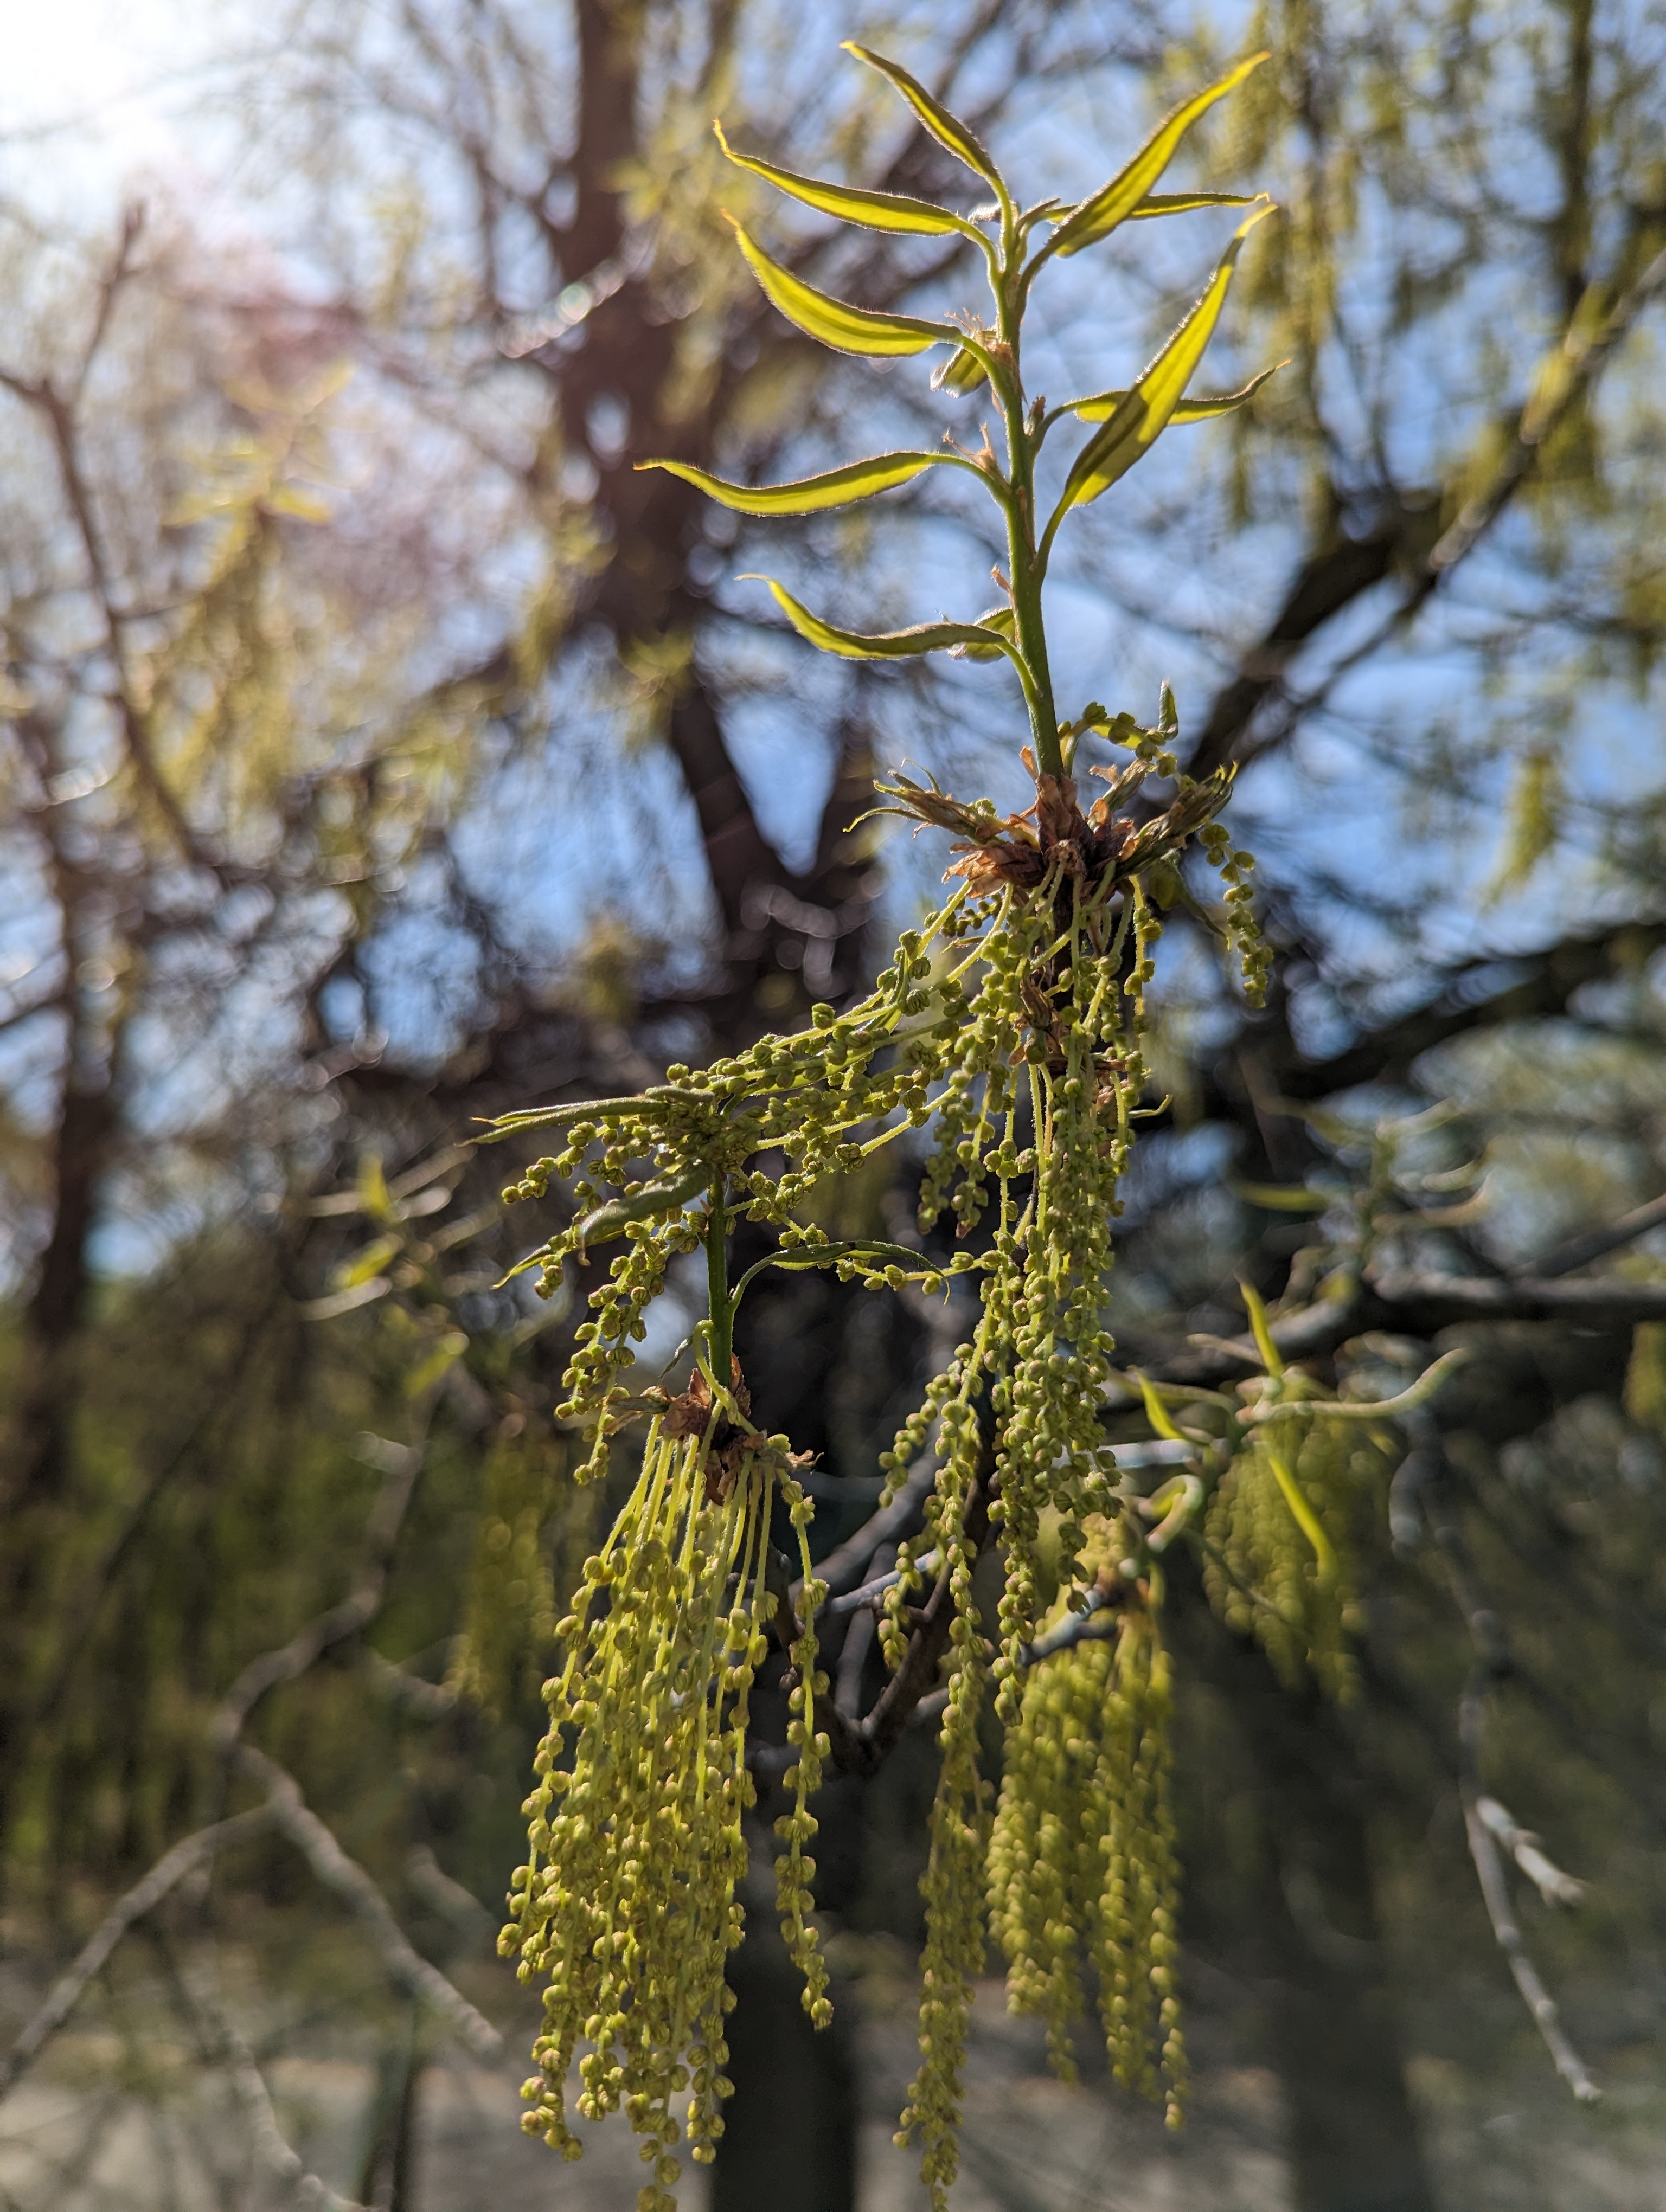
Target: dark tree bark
{"points": [[1306, 1932], [790, 2130]]}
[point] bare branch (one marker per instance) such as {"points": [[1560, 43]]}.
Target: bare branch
{"points": [[1495, 1894], [1564, 382], [448, 1899], [1524, 1846], [1516, 1298], [228, 2046], [295, 1818], [1494, 1662], [116, 274], [1580, 1251], [401, 1463], [433, 1700], [845, 1565], [1086, 1626], [144, 1896], [1338, 574]]}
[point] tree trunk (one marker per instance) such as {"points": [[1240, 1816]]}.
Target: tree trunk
{"points": [[789, 2131], [1300, 1921]]}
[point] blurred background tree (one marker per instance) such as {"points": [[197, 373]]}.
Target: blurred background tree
{"points": [[381, 752]]}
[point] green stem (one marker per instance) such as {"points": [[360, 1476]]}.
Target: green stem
{"points": [[717, 1281], [1025, 567]]}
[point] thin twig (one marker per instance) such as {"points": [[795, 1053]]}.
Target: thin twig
{"points": [[295, 1818], [144, 1896], [1578, 1251], [433, 1700], [229, 2048], [862, 1600], [1495, 1895], [1526, 1848], [1493, 1663], [400, 1464], [1088, 1626], [848, 1563]]}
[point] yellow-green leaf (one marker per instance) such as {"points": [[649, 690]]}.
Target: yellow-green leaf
{"points": [[1156, 203], [366, 1264], [1147, 409], [1262, 1330], [1306, 1520], [948, 129], [1156, 1411], [998, 618], [809, 495], [299, 506], [893, 211], [1116, 202], [1282, 1198], [850, 330], [372, 1191], [891, 645], [963, 371], [1204, 408], [438, 1363]]}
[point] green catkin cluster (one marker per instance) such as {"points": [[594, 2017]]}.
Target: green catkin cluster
{"points": [[1010, 1027], [1082, 1858], [1279, 1533], [511, 1613], [628, 1900], [767, 1125]]}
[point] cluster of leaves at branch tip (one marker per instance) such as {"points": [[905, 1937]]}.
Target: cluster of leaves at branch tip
{"points": [[1010, 1027]]}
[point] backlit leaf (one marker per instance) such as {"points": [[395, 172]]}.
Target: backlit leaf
{"points": [[1156, 203], [1116, 202], [809, 495], [962, 372], [850, 330], [891, 645], [1203, 408], [948, 129], [998, 618], [874, 210], [1147, 409]]}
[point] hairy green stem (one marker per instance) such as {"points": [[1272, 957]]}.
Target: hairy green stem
{"points": [[717, 1281], [1025, 567]]}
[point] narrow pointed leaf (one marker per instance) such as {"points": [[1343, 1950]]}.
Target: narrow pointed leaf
{"points": [[874, 210], [1156, 203], [1116, 202], [963, 371], [849, 330], [1306, 1520], [1204, 408], [891, 645], [948, 129], [1145, 410], [998, 618], [809, 495]]}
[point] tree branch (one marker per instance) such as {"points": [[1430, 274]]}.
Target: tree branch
{"points": [[1580, 1251], [1484, 1821], [229, 2047], [400, 1463], [293, 1818], [144, 1896]]}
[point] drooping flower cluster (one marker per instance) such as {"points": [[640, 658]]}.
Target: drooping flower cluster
{"points": [[1010, 1026], [1281, 1528], [1082, 1861], [628, 1901]]}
